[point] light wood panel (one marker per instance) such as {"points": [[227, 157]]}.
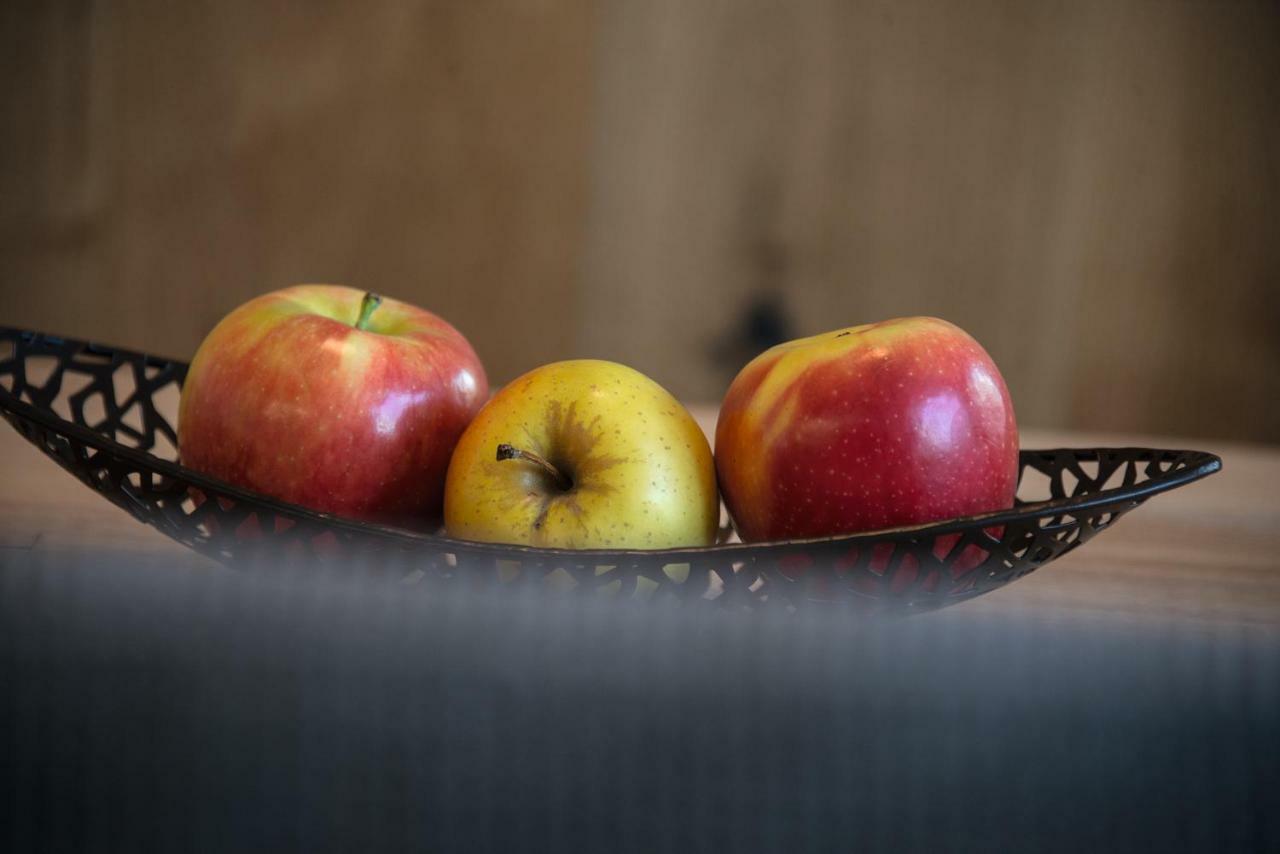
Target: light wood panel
{"points": [[1089, 188], [166, 161]]}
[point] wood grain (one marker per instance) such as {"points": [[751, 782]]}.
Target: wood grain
{"points": [[1090, 188], [163, 163]]}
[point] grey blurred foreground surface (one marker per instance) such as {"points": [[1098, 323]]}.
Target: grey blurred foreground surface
{"points": [[147, 706]]}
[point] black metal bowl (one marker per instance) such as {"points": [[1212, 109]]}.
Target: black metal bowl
{"points": [[99, 412]]}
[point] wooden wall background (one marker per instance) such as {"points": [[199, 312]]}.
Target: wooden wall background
{"points": [[1091, 188], [165, 161]]}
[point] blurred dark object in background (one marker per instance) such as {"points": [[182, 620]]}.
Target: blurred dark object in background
{"points": [[1089, 188], [762, 324], [150, 706]]}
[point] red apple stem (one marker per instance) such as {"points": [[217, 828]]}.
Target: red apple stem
{"points": [[511, 452], [368, 305]]}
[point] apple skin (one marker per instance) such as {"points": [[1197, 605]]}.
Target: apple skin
{"points": [[641, 469], [902, 422], [288, 398]]}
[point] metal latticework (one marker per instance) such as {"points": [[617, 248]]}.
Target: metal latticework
{"points": [[100, 412]]}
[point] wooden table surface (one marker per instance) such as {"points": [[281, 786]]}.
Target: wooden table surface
{"points": [[1208, 552]]}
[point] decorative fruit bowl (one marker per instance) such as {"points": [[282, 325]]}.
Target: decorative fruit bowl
{"points": [[100, 412]]}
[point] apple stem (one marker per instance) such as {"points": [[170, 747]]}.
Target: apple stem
{"points": [[510, 452], [368, 305]]}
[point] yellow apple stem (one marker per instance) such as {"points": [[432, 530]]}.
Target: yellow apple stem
{"points": [[510, 452], [368, 305]]}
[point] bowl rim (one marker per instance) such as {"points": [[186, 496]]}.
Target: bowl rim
{"points": [[1200, 464]]}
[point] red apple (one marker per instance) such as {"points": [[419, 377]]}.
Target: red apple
{"points": [[896, 423], [334, 399]]}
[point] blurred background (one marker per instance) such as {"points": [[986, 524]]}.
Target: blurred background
{"points": [[1092, 189]]}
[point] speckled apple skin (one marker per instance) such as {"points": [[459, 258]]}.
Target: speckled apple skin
{"points": [[896, 423], [287, 398], [643, 476]]}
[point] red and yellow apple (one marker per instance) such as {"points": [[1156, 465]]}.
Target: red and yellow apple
{"points": [[896, 423], [583, 454], [333, 399]]}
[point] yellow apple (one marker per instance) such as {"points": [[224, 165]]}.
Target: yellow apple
{"points": [[583, 454]]}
